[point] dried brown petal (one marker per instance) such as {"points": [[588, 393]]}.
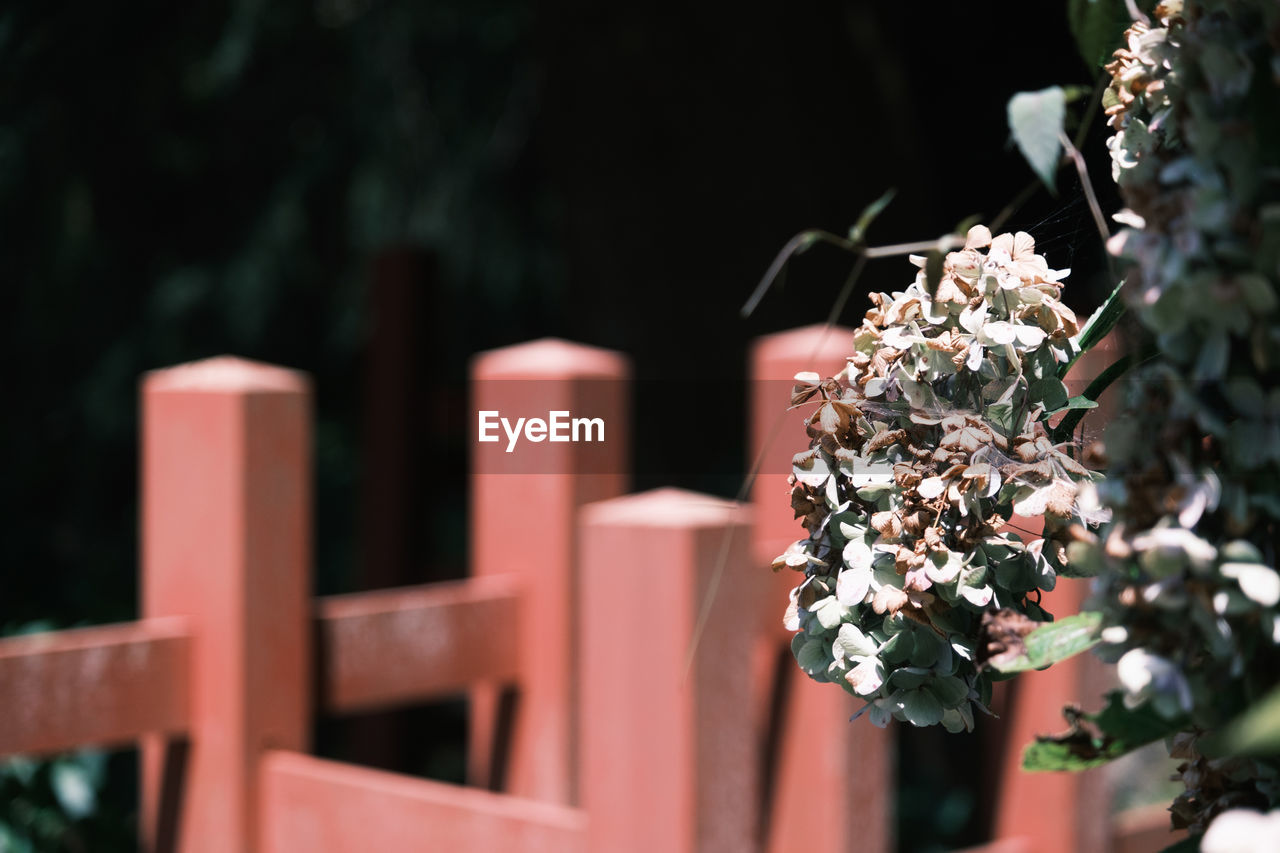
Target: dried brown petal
{"points": [[887, 524], [883, 439], [889, 599]]}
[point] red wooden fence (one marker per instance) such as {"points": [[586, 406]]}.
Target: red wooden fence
{"points": [[571, 638]]}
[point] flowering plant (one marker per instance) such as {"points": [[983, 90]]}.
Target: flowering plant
{"points": [[922, 449], [938, 431]]}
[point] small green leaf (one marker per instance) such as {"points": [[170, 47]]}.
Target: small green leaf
{"points": [[1098, 326], [1098, 27], [1095, 739], [1256, 731], [898, 648], [921, 707], [951, 691], [812, 656], [932, 272], [1133, 726], [1036, 121], [1057, 641], [851, 642], [909, 677], [1080, 402], [858, 230], [928, 646], [1050, 392]]}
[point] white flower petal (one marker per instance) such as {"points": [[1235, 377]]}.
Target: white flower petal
{"points": [[857, 554], [977, 595], [931, 487], [974, 359], [998, 332], [1030, 336], [866, 678], [852, 586], [1242, 831]]}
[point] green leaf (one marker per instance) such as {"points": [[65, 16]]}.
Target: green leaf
{"points": [[1079, 402], [1098, 326], [851, 642], [1104, 380], [812, 656], [1098, 27], [1036, 121], [909, 677], [1095, 739], [1050, 392], [933, 268], [1256, 731], [928, 646], [858, 230], [921, 707], [1056, 641], [1134, 726], [951, 691]]}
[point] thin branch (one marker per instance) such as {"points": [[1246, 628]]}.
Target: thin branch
{"points": [[1096, 209], [1095, 106], [945, 243], [805, 239], [795, 245]]}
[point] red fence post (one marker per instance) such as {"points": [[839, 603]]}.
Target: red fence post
{"points": [[669, 754], [1080, 800], [849, 782], [226, 496], [523, 509]]}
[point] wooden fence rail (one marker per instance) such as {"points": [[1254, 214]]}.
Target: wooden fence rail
{"points": [[606, 726]]}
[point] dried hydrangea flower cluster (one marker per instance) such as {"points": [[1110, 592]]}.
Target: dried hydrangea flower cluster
{"points": [[1187, 578], [921, 450]]}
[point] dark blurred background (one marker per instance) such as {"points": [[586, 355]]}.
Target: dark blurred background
{"points": [[375, 190]]}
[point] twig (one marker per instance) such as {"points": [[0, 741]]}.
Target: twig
{"points": [[802, 241], [1096, 209]]}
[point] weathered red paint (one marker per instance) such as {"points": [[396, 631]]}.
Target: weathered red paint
{"points": [[602, 626], [669, 757], [849, 782], [105, 686], [226, 543], [523, 506], [1056, 812], [401, 645], [319, 806]]}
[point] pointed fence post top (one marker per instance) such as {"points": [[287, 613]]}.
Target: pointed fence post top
{"points": [[670, 508], [227, 373], [550, 358]]}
